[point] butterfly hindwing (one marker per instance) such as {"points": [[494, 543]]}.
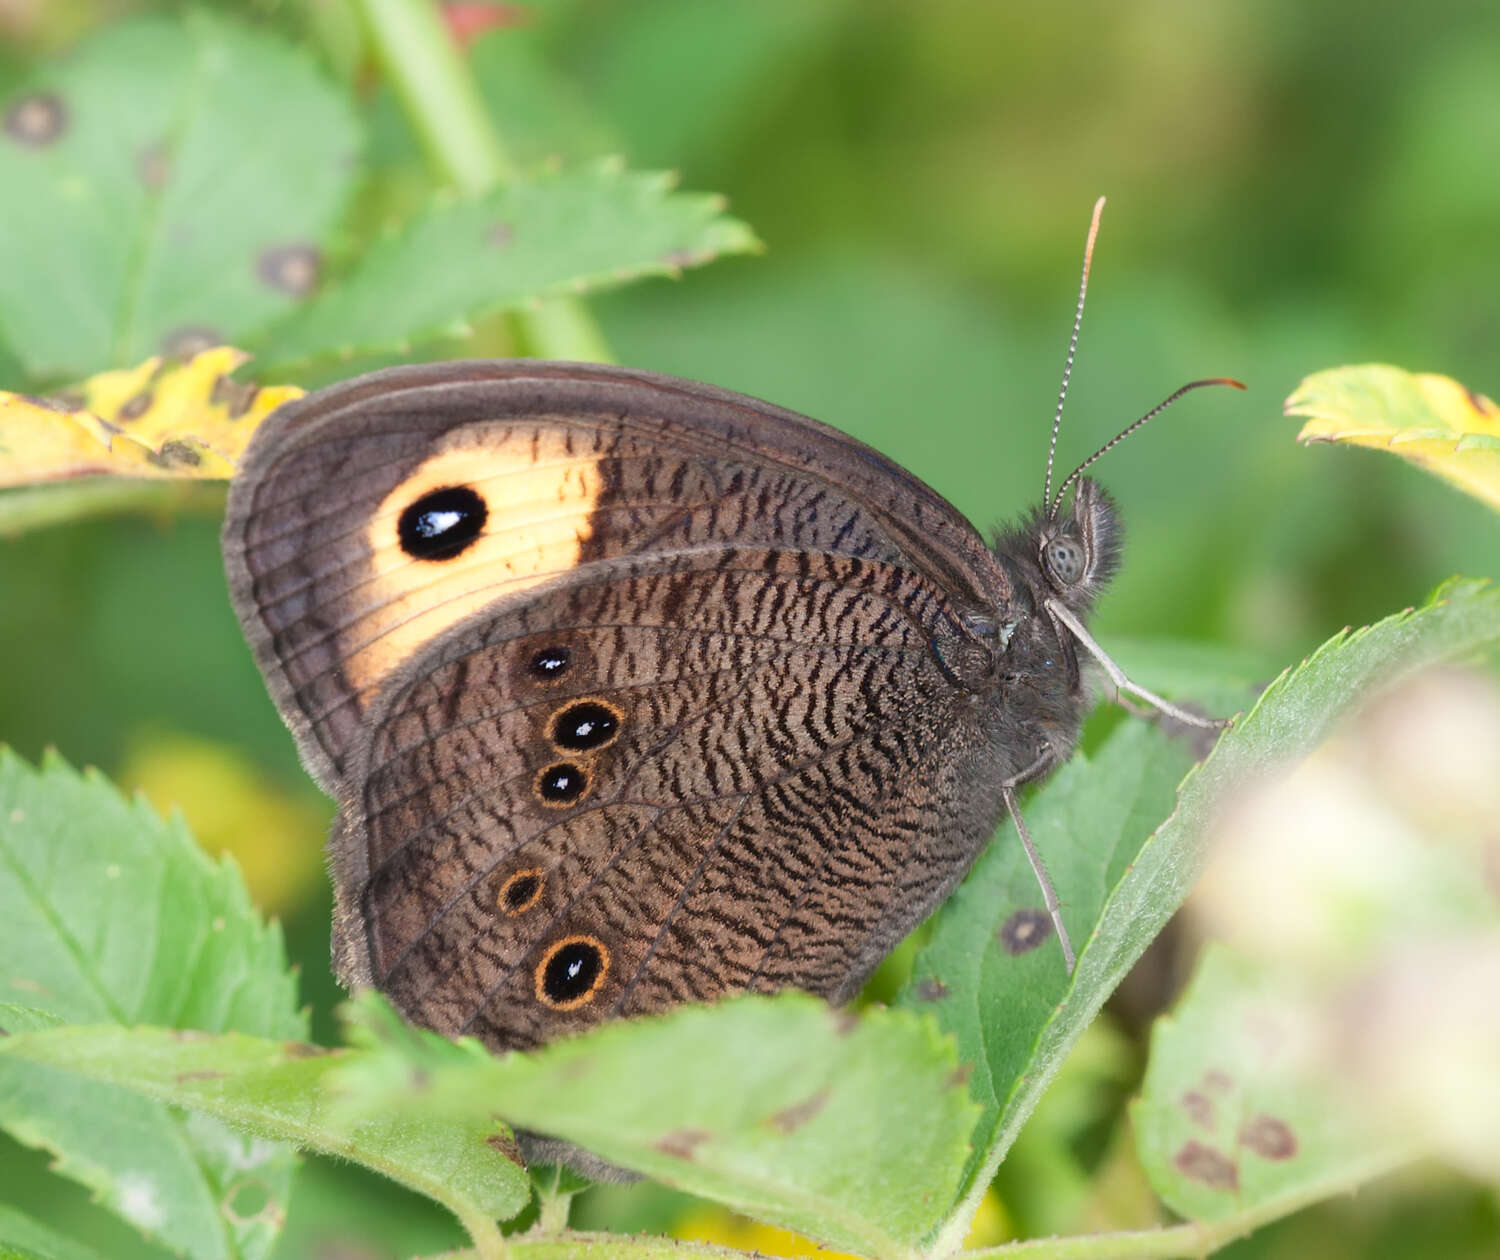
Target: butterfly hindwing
{"points": [[656, 782]]}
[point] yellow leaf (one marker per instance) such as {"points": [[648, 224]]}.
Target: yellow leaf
{"points": [[1433, 421], [161, 419]]}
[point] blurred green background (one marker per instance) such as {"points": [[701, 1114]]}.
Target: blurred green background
{"points": [[1291, 187]]}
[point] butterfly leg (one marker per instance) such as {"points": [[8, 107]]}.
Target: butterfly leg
{"points": [[1117, 676], [1038, 868]]}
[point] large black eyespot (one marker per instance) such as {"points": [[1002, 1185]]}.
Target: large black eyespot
{"points": [[441, 523], [1065, 560], [571, 972], [520, 892], [561, 784], [550, 663], [585, 725]]}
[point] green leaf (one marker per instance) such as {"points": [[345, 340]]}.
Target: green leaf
{"points": [[853, 1131], [551, 235], [280, 1091], [22, 1238], [108, 914], [1016, 1017], [169, 182], [992, 972], [850, 1130], [1232, 1120]]}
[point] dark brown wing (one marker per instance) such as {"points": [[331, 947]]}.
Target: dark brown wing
{"points": [[749, 770], [578, 464]]}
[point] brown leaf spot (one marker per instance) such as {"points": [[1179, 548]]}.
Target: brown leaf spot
{"points": [[1269, 1138], [682, 1143], [293, 269], [134, 407], [153, 166], [175, 454], [190, 340], [1203, 1163], [1219, 1082], [1024, 931], [65, 401], [790, 1119], [36, 120], [205, 1075], [238, 396], [1199, 1108], [684, 257], [1480, 403], [959, 1077], [931, 989], [506, 1145], [500, 235], [301, 1050]]}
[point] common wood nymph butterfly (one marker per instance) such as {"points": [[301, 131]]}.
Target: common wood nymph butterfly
{"points": [[633, 691]]}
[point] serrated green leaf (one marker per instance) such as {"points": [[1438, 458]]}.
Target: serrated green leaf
{"points": [[280, 1091], [109, 914], [1232, 1119], [193, 215], [22, 1238], [992, 972], [1015, 1018], [850, 1130], [535, 238]]}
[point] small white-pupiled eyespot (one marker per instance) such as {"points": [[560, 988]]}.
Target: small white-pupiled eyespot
{"points": [[1065, 560]]}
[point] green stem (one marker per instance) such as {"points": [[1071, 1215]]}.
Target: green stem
{"points": [[442, 101], [489, 1242]]}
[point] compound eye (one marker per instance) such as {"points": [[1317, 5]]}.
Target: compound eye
{"points": [[1065, 560]]}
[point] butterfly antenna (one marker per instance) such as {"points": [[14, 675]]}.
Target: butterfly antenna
{"points": [[1062, 394], [1053, 504]]}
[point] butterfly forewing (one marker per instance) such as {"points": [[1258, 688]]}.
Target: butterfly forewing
{"points": [[348, 553]]}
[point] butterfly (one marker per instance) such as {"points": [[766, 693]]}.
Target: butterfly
{"points": [[633, 691]]}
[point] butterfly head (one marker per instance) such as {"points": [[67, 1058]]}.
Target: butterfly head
{"points": [[1078, 548]]}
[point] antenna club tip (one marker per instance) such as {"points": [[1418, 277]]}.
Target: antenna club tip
{"points": [[1218, 380]]}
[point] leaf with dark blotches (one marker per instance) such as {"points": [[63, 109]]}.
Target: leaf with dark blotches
{"points": [[110, 915], [162, 419], [1233, 1117], [1121, 871], [992, 972], [1432, 421], [164, 188], [852, 1130], [534, 238]]}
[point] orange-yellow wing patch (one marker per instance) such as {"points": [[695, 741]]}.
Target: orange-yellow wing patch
{"points": [[1431, 420], [159, 419]]}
